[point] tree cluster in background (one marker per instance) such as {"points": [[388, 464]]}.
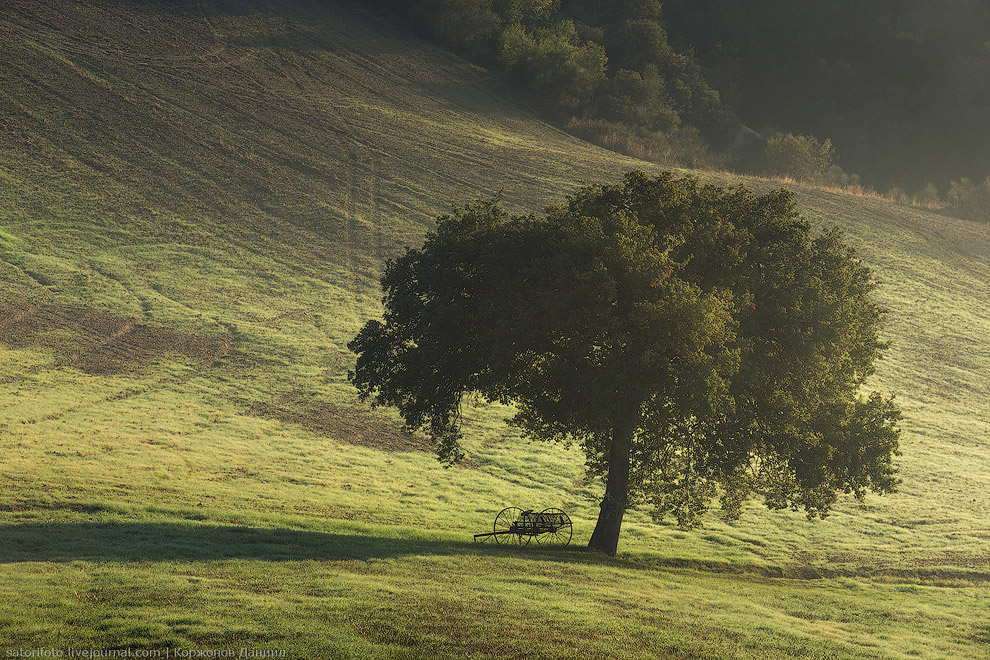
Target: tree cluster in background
{"points": [[800, 156], [900, 87], [970, 199], [604, 69]]}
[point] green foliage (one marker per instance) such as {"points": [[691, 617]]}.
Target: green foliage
{"points": [[641, 100], [847, 71], [525, 11], [636, 41], [699, 330], [927, 196], [970, 199], [800, 156], [553, 65], [633, 44], [599, 13]]}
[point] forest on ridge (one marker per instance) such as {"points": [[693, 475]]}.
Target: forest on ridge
{"points": [[888, 95]]}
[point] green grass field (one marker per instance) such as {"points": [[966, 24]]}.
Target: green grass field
{"points": [[196, 199]]}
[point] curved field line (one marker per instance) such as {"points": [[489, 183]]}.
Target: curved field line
{"points": [[114, 336], [27, 313], [222, 351], [128, 393]]}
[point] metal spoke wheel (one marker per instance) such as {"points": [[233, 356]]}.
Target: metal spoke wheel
{"points": [[506, 527], [557, 528]]}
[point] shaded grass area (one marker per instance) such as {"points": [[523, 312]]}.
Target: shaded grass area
{"points": [[195, 202]]}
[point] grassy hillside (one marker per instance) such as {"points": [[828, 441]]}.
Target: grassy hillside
{"points": [[196, 199]]}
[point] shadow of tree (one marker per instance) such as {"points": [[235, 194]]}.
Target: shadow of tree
{"points": [[194, 541], [63, 542], [178, 541]]}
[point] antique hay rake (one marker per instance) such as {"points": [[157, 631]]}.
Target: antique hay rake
{"points": [[515, 526]]}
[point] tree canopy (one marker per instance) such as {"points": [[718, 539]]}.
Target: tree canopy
{"points": [[697, 342]]}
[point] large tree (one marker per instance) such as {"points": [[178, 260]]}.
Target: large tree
{"points": [[696, 341]]}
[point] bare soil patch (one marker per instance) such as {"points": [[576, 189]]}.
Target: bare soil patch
{"points": [[99, 342], [349, 424]]}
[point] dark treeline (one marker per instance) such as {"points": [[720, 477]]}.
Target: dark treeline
{"points": [[901, 87], [894, 90], [604, 69]]}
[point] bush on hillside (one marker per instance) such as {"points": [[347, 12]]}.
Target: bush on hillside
{"points": [[683, 146], [928, 197], [802, 157], [970, 199]]}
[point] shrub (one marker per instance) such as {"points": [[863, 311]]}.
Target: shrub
{"points": [[802, 157], [682, 146], [970, 199]]}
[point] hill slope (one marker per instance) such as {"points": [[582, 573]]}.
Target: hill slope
{"points": [[196, 200]]}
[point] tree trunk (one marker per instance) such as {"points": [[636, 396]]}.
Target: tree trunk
{"points": [[605, 538]]}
